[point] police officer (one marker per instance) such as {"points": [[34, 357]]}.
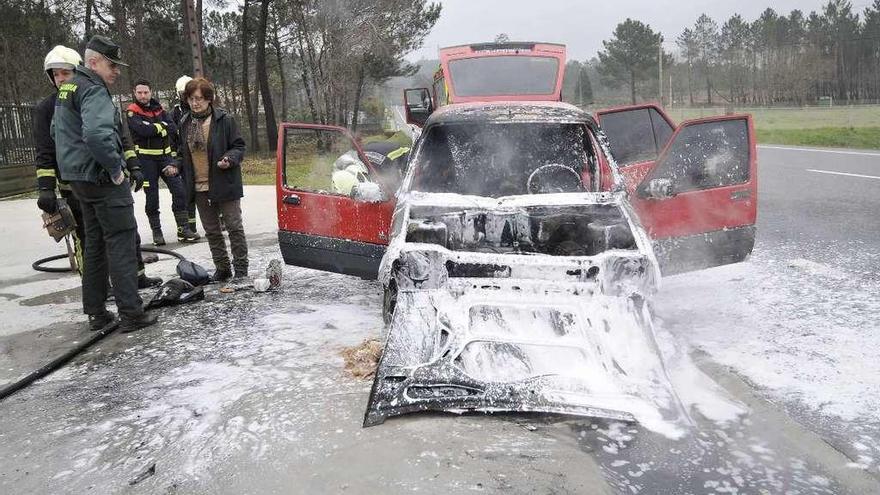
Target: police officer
{"points": [[177, 113], [152, 129], [90, 157], [59, 65]]}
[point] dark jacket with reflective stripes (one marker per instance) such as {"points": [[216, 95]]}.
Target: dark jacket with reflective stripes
{"points": [[177, 113], [151, 129], [224, 139], [47, 166], [86, 129]]}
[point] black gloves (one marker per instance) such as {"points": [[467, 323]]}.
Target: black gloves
{"points": [[137, 178], [47, 201]]}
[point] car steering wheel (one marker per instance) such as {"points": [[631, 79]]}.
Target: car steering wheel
{"points": [[553, 178]]}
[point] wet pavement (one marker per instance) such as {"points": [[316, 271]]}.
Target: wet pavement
{"points": [[246, 392]]}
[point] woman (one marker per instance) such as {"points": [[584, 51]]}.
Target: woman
{"points": [[211, 150]]}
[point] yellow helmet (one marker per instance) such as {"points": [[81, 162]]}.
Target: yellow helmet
{"points": [[180, 85]]}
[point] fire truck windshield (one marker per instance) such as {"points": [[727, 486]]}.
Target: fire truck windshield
{"points": [[504, 75]]}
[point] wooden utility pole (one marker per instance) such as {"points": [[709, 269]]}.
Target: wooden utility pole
{"points": [[193, 30]]}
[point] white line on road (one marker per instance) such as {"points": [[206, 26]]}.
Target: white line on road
{"points": [[843, 173], [839, 152]]}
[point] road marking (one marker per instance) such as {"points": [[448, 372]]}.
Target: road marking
{"points": [[843, 173], [819, 151]]}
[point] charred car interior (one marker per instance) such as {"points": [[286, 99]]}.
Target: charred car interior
{"points": [[582, 230], [505, 159]]}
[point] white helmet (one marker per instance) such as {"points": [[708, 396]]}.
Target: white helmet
{"points": [[349, 159], [359, 170], [180, 85], [60, 57]]}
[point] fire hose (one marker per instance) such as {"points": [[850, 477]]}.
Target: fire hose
{"points": [[60, 361]]}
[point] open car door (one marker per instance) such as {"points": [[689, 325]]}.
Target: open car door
{"points": [[334, 210], [418, 105], [697, 195]]}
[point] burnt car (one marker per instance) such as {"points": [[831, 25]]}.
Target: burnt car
{"points": [[517, 256]]}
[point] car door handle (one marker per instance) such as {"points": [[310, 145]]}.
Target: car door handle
{"points": [[741, 195], [291, 199]]}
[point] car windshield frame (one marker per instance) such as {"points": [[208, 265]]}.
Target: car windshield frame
{"points": [[436, 145]]}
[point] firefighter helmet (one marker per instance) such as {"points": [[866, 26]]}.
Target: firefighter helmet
{"points": [[180, 85], [60, 57]]}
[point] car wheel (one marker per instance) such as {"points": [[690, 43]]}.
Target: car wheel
{"points": [[389, 302]]}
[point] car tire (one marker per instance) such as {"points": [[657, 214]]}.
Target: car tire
{"points": [[389, 302]]}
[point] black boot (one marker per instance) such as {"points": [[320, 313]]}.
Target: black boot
{"points": [[158, 238], [184, 234], [145, 282], [132, 323], [221, 275], [156, 227], [192, 228], [98, 322]]}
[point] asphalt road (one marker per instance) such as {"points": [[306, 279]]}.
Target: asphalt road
{"points": [[245, 393], [820, 199]]}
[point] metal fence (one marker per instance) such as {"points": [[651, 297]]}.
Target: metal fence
{"points": [[16, 149]]}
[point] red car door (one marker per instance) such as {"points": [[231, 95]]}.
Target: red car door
{"points": [[697, 198], [333, 212]]}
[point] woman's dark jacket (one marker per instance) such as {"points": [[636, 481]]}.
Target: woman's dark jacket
{"points": [[224, 140]]}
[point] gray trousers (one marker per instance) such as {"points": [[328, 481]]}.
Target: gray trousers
{"points": [[210, 213], [110, 247]]}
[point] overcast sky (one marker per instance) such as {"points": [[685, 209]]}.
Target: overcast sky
{"points": [[582, 25]]}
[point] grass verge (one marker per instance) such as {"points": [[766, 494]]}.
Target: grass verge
{"points": [[829, 137], [259, 169]]}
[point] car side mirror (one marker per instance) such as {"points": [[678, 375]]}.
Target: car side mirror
{"points": [[658, 189], [368, 192]]}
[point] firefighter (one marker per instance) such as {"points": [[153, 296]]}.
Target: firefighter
{"points": [[59, 65], [348, 171], [389, 160], [152, 130], [177, 113], [89, 152]]}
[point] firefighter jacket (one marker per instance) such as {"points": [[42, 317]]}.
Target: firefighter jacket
{"points": [[47, 166], [86, 128], [177, 114], [151, 129]]}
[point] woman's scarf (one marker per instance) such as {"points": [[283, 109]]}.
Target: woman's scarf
{"points": [[195, 137]]}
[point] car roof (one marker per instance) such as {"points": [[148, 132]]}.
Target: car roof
{"points": [[510, 111]]}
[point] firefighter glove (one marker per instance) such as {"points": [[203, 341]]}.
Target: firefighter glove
{"points": [[47, 201], [137, 178]]}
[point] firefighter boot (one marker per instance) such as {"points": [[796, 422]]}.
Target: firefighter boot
{"points": [[184, 233], [158, 238], [156, 227]]}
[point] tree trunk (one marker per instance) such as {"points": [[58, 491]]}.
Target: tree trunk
{"points": [[280, 57], [307, 84], [87, 33], [632, 86], [263, 77], [245, 84], [690, 83], [359, 90], [708, 88]]}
